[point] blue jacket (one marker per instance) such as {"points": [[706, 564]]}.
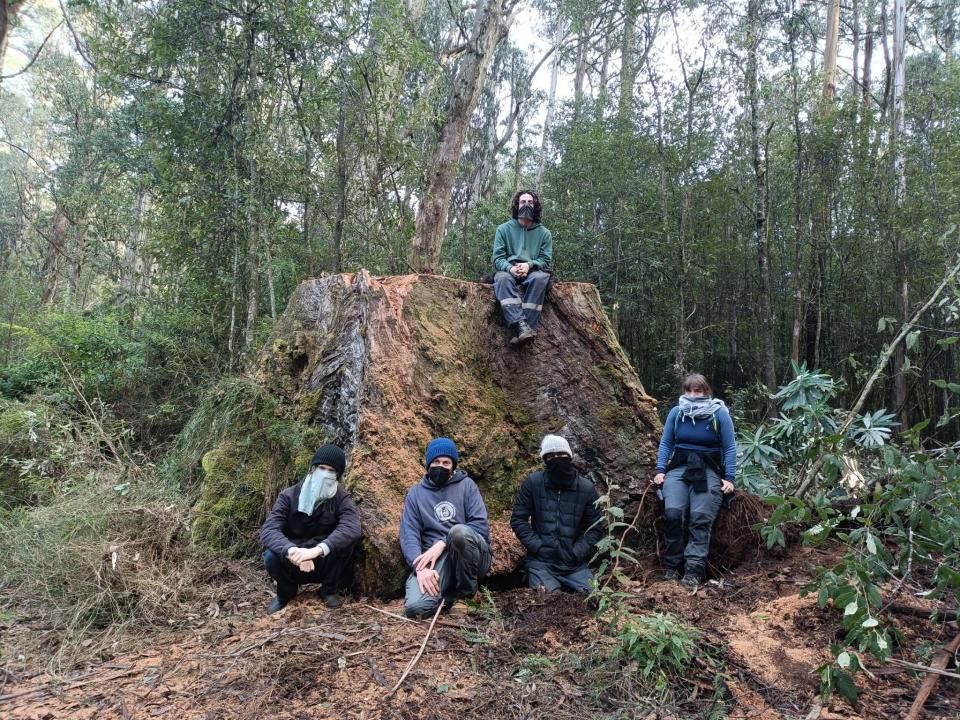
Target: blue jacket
{"points": [[429, 512], [700, 436]]}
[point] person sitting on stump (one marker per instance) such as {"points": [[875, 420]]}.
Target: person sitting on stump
{"points": [[522, 256], [311, 531], [444, 535], [556, 519], [698, 447]]}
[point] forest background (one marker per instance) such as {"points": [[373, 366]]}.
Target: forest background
{"points": [[758, 189]]}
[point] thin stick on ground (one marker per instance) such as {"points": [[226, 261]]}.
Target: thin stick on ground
{"points": [[930, 683], [393, 615], [416, 659]]}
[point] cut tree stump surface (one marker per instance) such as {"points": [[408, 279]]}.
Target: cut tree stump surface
{"points": [[384, 364]]}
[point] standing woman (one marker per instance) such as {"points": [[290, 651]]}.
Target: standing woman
{"points": [[696, 466]]}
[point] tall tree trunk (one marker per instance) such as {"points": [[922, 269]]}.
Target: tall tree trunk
{"points": [[899, 195], [50, 272], [830, 52], [254, 215], [628, 66], [580, 73], [8, 10], [867, 62], [760, 237], [551, 112], [798, 198], [341, 212], [490, 27]]}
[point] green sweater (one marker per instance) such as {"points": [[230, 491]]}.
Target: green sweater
{"points": [[512, 244]]}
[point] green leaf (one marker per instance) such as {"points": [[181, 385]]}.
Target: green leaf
{"points": [[870, 622], [443, 688], [912, 339], [871, 544], [851, 608], [843, 659]]}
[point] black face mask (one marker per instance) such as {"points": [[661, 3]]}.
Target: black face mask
{"points": [[439, 476], [525, 213], [560, 471]]}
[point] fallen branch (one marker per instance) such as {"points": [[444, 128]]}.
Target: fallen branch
{"points": [[416, 659], [881, 364], [393, 615], [907, 665], [74, 686], [942, 613], [930, 683]]}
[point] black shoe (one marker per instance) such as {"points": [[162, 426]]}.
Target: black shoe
{"points": [[671, 574], [332, 601], [523, 333], [276, 605], [690, 580]]}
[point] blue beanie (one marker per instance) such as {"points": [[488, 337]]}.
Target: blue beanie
{"points": [[440, 447]]}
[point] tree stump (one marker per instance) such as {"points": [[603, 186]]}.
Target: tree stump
{"points": [[381, 365]]}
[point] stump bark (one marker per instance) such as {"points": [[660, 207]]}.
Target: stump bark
{"points": [[383, 364]]}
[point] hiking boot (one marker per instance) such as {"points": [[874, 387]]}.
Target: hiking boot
{"points": [[331, 600], [671, 574], [690, 580], [457, 608], [523, 333], [276, 605]]}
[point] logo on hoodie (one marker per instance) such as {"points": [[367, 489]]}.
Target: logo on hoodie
{"points": [[445, 511]]}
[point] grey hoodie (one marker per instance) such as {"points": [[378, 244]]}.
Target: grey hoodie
{"points": [[429, 512]]}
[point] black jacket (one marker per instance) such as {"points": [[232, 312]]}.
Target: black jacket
{"points": [[557, 526], [335, 522]]}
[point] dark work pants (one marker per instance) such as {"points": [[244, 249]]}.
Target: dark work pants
{"points": [[680, 503], [465, 560], [523, 300], [551, 579], [326, 571]]}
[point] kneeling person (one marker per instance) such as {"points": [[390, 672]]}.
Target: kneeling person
{"points": [[556, 519], [444, 534], [311, 531]]}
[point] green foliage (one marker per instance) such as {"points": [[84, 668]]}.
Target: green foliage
{"points": [[895, 510], [662, 643]]}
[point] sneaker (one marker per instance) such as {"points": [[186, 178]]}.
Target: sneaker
{"points": [[332, 601], [671, 574], [276, 605], [690, 581]]}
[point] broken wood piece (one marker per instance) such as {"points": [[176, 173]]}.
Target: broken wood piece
{"points": [[930, 683], [416, 658]]}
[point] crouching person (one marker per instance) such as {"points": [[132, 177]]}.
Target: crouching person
{"points": [[444, 535], [311, 532], [556, 519]]}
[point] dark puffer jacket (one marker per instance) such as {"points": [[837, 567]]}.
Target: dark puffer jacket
{"points": [[335, 522], [564, 529]]}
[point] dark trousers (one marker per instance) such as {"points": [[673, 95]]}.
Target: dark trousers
{"points": [[524, 299], [542, 575], [465, 560], [326, 571], [680, 501]]}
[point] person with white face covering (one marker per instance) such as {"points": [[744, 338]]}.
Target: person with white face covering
{"points": [[696, 467], [311, 531]]}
